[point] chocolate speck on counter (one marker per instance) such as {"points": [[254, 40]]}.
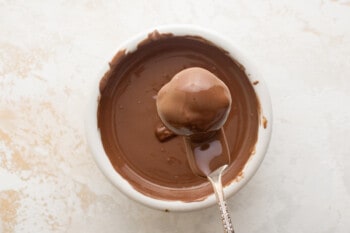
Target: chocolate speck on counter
{"points": [[264, 122]]}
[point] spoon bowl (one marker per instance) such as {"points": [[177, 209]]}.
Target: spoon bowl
{"points": [[207, 152]]}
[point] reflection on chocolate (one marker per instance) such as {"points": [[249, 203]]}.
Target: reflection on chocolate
{"points": [[127, 116]]}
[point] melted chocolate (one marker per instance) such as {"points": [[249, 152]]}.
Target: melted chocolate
{"points": [[127, 115]]}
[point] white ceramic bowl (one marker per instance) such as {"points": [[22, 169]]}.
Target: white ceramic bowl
{"points": [[95, 143]]}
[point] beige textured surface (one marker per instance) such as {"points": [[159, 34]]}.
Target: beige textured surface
{"points": [[50, 52]]}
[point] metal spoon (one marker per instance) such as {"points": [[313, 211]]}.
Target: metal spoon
{"points": [[209, 158], [215, 180]]}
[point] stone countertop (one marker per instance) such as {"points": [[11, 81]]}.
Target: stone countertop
{"points": [[50, 53]]}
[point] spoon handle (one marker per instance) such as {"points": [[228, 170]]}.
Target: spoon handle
{"points": [[225, 217], [215, 180]]}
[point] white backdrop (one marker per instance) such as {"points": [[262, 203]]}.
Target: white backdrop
{"points": [[50, 52]]}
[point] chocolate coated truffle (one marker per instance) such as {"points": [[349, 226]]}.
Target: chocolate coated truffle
{"points": [[194, 101]]}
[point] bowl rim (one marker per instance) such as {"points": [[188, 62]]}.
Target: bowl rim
{"points": [[253, 163]]}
